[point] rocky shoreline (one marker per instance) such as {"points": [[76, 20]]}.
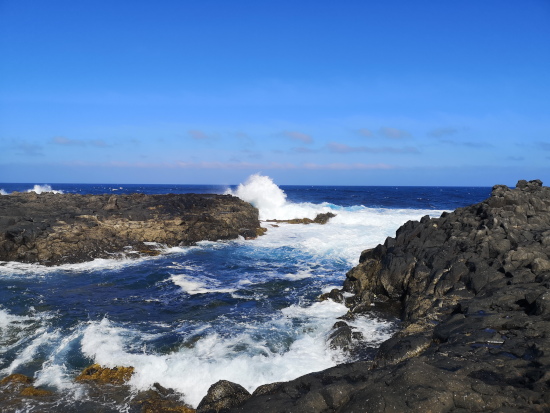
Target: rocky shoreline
{"points": [[53, 229], [473, 289]]}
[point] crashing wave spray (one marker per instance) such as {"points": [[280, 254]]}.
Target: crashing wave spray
{"points": [[43, 188], [263, 193], [271, 200]]}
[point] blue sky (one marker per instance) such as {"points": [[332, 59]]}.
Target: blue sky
{"points": [[307, 92]]}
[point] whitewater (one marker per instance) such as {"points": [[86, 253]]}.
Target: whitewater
{"points": [[246, 311]]}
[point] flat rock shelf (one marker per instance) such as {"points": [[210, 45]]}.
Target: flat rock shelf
{"points": [[54, 229]]}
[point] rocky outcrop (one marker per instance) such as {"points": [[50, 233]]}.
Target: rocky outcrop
{"points": [[221, 396], [104, 375], [54, 229], [16, 389], [321, 219], [474, 289]]}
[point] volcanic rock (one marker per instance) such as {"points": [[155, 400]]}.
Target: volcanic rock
{"points": [[104, 375], [55, 229], [221, 396], [474, 290], [321, 219]]}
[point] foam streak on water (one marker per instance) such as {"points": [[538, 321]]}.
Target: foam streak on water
{"points": [[242, 310]]}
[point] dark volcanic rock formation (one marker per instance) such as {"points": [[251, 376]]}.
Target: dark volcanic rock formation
{"points": [[474, 286], [66, 228]]}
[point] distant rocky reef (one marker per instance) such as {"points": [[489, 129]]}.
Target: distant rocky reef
{"points": [[474, 291], [54, 229]]}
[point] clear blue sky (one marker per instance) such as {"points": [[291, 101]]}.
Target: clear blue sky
{"points": [[308, 92]]}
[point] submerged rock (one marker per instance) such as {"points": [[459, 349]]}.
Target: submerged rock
{"points": [[160, 400], [16, 390], [104, 375], [55, 229]]}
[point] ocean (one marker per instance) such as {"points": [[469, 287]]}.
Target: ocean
{"points": [[242, 310]]}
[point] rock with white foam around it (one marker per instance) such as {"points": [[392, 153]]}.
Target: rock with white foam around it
{"points": [[474, 291], [56, 229]]}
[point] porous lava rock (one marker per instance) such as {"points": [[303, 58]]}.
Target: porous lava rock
{"points": [[221, 396], [105, 375], [321, 219], [16, 390], [55, 229], [474, 290]]}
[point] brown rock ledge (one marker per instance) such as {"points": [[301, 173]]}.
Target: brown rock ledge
{"points": [[54, 229]]}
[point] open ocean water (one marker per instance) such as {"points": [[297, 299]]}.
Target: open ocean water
{"points": [[242, 310]]}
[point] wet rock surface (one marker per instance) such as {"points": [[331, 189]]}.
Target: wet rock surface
{"points": [[474, 290], [54, 229], [321, 219], [221, 396]]}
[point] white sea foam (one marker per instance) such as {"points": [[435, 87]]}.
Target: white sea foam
{"points": [[262, 192], [44, 188], [343, 237], [43, 337], [13, 268], [2, 192], [214, 357], [203, 285]]}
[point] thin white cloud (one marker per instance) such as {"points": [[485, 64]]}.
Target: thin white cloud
{"points": [[298, 136], [64, 141], [198, 134], [468, 144], [348, 166], [393, 133], [232, 165], [443, 132], [28, 149], [336, 147], [365, 132]]}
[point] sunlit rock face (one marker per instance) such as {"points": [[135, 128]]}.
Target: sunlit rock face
{"points": [[55, 229]]}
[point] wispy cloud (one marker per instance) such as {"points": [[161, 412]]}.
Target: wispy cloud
{"points": [[298, 136], [443, 132], [365, 132], [469, 144], [99, 143], [199, 135], [28, 149], [244, 138], [393, 133], [64, 141], [303, 149], [232, 165], [347, 166], [336, 147], [545, 146], [515, 158]]}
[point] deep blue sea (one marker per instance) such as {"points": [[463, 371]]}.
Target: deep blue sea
{"points": [[242, 310]]}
